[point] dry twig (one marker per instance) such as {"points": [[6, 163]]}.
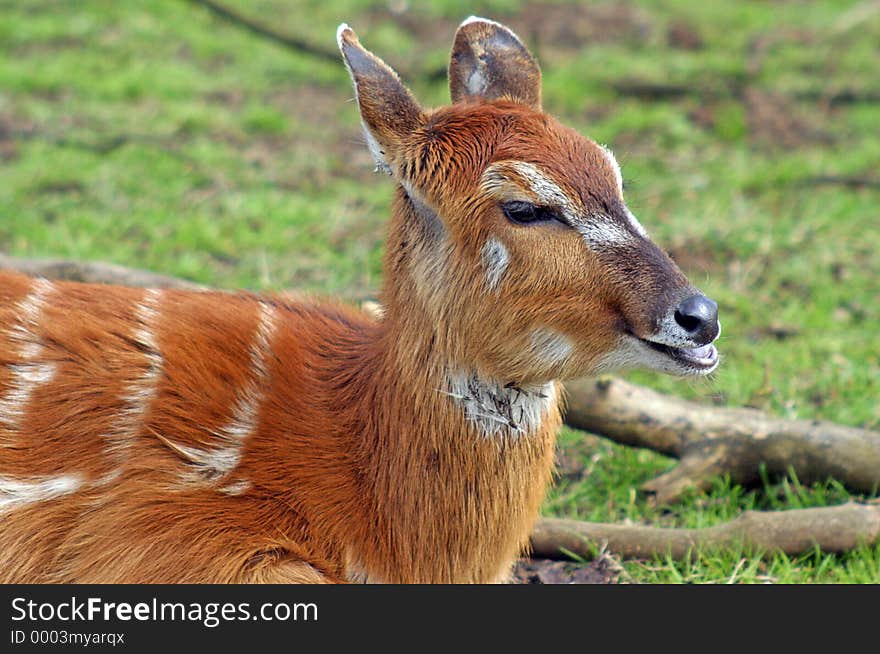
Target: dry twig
{"points": [[264, 31]]}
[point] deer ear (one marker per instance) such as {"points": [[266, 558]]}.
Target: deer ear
{"points": [[489, 61], [389, 113]]}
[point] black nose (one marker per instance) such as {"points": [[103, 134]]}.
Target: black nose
{"points": [[698, 316]]}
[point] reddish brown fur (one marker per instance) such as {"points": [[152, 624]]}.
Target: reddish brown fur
{"points": [[323, 480], [356, 463]]}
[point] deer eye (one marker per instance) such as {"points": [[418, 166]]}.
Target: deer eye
{"points": [[526, 213]]}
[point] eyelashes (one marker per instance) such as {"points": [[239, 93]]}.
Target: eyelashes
{"points": [[526, 213]]}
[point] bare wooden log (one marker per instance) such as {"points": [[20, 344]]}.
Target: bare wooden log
{"points": [[832, 529], [711, 441], [93, 272]]}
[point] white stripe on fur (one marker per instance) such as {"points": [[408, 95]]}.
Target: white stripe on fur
{"points": [[30, 373], [16, 492], [140, 391], [216, 462]]}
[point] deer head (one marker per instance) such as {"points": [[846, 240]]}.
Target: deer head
{"points": [[511, 232]]}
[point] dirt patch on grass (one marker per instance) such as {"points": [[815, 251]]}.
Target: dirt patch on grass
{"points": [[696, 257], [774, 120], [229, 98], [553, 26], [55, 44], [428, 32], [8, 149], [314, 102], [684, 36], [775, 330], [13, 128], [573, 26], [574, 461], [320, 109], [603, 570], [314, 123]]}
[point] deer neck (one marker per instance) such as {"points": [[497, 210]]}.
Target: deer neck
{"points": [[421, 336], [451, 454]]}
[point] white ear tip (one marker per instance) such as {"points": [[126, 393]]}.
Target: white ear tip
{"points": [[477, 19], [495, 24], [343, 27]]}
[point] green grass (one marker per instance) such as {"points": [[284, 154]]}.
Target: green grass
{"points": [[151, 134], [607, 493]]}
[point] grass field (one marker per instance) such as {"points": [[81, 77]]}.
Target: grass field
{"points": [[154, 135]]}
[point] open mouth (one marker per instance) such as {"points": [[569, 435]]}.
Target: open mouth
{"points": [[702, 358]]}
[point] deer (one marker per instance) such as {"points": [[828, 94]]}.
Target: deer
{"points": [[193, 436]]}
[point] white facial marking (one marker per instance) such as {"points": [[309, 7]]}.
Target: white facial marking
{"points": [[598, 231], [634, 353], [624, 357], [217, 462], [547, 191], [501, 410], [612, 161], [636, 225], [602, 232], [495, 259], [30, 373], [16, 492], [551, 347]]}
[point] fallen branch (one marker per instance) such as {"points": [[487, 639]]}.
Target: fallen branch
{"points": [[93, 272], [832, 529], [712, 441]]}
